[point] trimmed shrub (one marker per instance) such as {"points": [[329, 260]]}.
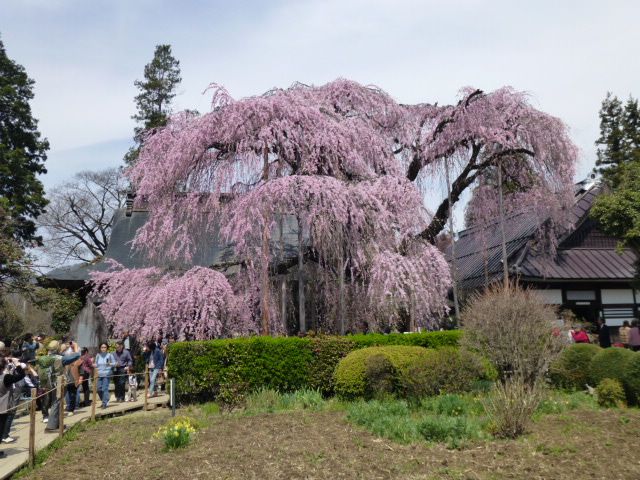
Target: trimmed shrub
{"points": [[609, 363], [445, 370], [571, 369], [631, 380], [205, 369], [446, 338], [610, 393], [351, 373], [327, 352], [381, 376]]}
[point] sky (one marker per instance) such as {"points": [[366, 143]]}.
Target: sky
{"points": [[85, 56]]}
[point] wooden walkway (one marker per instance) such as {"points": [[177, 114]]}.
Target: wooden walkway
{"points": [[17, 453]]}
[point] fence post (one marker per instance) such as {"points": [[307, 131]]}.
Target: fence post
{"points": [[172, 386], [32, 428], [94, 388], [61, 403], [146, 386]]}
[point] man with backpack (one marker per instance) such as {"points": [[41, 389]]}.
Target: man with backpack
{"points": [[47, 376], [59, 363]]}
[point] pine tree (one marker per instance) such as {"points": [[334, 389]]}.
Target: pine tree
{"points": [[611, 148], [22, 155], [157, 90], [631, 129]]}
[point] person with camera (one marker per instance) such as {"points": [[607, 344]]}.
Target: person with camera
{"points": [[6, 388]]}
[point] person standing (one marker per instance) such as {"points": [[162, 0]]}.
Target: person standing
{"points": [[45, 368], [104, 363], [29, 348], [72, 379], [634, 336], [624, 333], [123, 361], [86, 372], [60, 362], [155, 360], [604, 336], [6, 383], [130, 343]]}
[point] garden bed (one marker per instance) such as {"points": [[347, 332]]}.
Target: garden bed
{"points": [[306, 438]]}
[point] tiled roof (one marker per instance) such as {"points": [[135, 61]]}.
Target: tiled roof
{"points": [[210, 252], [584, 253], [582, 263]]}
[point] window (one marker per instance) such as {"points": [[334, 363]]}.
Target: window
{"points": [[581, 295]]}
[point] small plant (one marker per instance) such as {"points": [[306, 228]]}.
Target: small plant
{"points": [[454, 431], [511, 406], [177, 433], [610, 393]]}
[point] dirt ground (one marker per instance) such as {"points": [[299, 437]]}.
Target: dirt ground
{"points": [[303, 445]]}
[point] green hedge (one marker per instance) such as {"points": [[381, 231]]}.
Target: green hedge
{"points": [[354, 373], [281, 363]]}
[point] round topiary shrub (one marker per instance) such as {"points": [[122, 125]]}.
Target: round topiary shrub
{"points": [[609, 363], [445, 370], [351, 380], [631, 380], [610, 393], [571, 369]]}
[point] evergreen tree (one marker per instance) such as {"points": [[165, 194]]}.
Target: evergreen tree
{"points": [[22, 154], [631, 129], [157, 90], [611, 145]]}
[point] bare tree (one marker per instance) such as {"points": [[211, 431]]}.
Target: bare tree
{"points": [[77, 223]]}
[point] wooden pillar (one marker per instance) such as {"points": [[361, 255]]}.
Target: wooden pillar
{"points": [[456, 306], [32, 428], [341, 309], [283, 302], [301, 297], [264, 297], [505, 266]]}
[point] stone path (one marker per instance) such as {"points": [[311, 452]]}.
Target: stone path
{"points": [[17, 453]]}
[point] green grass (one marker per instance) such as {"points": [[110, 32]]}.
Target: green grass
{"points": [[558, 402], [451, 419], [70, 435], [271, 401]]}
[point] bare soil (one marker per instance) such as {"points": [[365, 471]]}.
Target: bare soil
{"points": [[305, 445]]}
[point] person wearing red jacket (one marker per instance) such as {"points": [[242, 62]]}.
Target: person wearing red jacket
{"points": [[580, 336]]}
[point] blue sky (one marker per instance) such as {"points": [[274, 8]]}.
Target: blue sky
{"points": [[85, 56]]}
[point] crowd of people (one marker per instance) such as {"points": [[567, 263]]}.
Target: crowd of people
{"points": [[29, 364], [628, 335]]}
